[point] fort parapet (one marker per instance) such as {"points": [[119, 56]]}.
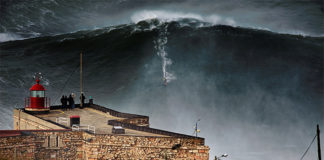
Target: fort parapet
{"points": [[51, 135]]}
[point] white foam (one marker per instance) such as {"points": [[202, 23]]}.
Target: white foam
{"points": [[167, 16], [8, 37], [160, 44], [162, 15], [212, 19]]}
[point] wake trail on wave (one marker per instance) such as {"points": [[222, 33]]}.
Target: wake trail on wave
{"points": [[160, 45]]}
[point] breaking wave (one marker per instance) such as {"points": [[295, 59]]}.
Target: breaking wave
{"points": [[168, 16], [22, 19], [8, 37]]}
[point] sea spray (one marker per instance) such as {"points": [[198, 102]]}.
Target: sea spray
{"points": [[160, 45]]}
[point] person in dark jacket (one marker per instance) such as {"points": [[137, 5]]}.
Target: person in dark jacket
{"points": [[62, 101], [71, 102], [82, 98], [65, 99]]}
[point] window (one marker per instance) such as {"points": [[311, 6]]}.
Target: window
{"points": [[37, 93], [53, 142]]}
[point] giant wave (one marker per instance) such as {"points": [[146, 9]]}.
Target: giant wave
{"points": [[241, 82]]}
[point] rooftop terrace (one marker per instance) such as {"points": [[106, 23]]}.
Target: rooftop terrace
{"points": [[103, 119], [92, 117]]}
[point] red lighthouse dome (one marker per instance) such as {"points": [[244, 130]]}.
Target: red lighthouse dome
{"points": [[37, 87], [37, 100]]}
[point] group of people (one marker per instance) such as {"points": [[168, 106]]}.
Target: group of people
{"points": [[68, 102]]}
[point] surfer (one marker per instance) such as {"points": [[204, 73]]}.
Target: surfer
{"points": [[165, 81]]}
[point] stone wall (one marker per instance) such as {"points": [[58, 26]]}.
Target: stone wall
{"points": [[139, 121], [82, 145], [17, 147], [137, 147], [42, 145], [59, 145]]}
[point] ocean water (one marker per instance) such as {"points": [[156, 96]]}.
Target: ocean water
{"points": [[257, 87]]}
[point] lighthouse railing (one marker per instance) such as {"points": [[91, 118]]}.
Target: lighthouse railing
{"points": [[27, 102], [46, 102]]}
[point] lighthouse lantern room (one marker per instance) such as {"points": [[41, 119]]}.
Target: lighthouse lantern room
{"points": [[37, 101]]}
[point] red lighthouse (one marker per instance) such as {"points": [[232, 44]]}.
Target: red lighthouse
{"points": [[37, 100]]}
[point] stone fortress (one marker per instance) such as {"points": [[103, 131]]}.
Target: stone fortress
{"points": [[90, 132]]}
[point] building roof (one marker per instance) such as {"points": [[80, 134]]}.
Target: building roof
{"points": [[102, 120], [90, 117], [37, 87]]}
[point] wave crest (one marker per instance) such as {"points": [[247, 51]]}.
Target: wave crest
{"points": [[167, 16], [8, 37]]}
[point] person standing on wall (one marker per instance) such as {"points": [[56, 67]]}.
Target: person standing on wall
{"points": [[82, 98], [65, 102], [73, 104], [69, 101], [62, 101]]}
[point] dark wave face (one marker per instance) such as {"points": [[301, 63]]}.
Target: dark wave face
{"points": [[257, 93], [21, 19]]}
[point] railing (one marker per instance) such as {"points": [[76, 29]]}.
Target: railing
{"points": [[84, 127], [60, 106], [61, 120], [47, 102], [116, 113], [150, 130], [27, 102]]}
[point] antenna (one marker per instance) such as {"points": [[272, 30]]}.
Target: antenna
{"points": [[196, 128], [318, 143], [38, 75], [81, 80]]}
